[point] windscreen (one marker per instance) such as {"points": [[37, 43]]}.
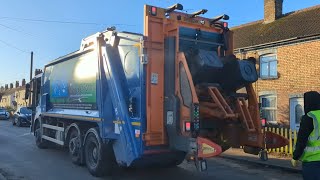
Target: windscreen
{"points": [[25, 111]]}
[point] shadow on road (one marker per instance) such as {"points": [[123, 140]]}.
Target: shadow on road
{"points": [[155, 173], [148, 173]]}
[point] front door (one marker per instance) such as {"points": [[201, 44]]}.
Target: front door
{"points": [[296, 112]]}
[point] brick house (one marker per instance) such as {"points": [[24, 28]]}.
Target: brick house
{"points": [[287, 49]]}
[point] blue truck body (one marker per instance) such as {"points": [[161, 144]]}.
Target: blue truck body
{"points": [[117, 80]]}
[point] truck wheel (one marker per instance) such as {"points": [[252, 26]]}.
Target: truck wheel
{"points": [[75, 147], [40, 144], [97, 157]]}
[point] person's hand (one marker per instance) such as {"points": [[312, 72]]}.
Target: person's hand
{"points": [[294, 163]]}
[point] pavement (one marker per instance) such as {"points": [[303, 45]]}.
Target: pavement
{"points": [[20, 159], [273, 161]]}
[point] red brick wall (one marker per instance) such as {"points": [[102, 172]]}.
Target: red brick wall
{"points": [[298, 70]]}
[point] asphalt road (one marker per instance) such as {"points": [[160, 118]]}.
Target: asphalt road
{"points": [[20, 159]]}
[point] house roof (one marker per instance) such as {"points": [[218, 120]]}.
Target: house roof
{"points": [[298, 24], [11, 91]]}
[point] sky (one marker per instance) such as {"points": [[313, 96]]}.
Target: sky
{"points": [[55, 28]]}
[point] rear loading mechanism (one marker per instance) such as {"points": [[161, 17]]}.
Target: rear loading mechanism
{"points": [[140, 100], [202, 80]]}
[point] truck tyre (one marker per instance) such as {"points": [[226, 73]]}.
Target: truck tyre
{"points": [[74, 145], [98, 156], [41, 143]]}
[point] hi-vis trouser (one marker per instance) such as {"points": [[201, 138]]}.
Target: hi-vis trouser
{"points": [[312, 150]]}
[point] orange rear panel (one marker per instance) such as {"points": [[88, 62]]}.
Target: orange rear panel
{"points": [[156, 29], [155, 91]]}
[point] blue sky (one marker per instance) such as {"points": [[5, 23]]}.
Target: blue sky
{"points": [[20, 33]]}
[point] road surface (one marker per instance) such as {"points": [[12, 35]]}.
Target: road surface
{"points": [[20, 159]]}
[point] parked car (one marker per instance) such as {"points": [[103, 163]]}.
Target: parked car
{"points": [[4, 114], [22, 117]]}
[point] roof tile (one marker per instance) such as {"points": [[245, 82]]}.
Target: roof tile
{"points": [[300, 23]]}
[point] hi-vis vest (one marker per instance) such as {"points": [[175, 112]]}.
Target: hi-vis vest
{"points": [[312, 150]]}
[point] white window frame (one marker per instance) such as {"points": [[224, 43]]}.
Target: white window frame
{"points": [[268, 61], [270, 108]]}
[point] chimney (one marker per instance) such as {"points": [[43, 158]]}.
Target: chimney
{"points": [[272, 10], [23, 82], [37, 71], [17, 84], [5, 86], [11, 85]]}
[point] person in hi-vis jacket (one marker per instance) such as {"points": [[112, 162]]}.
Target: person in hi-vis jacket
{"points": [[307, 149]]}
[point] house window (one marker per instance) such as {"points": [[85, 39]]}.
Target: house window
{"points": [[269, 107], [268, 66]]}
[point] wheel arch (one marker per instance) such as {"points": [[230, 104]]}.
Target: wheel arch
{"points": [[94, 131], [69, 130], [36, 121]]}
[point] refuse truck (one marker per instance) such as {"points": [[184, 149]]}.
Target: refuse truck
{"points": [[174, 93]]}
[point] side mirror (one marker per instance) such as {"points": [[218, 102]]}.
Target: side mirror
{"points": [[26, 95]]}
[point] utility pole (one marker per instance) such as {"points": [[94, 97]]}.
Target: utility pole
{"points": [[31, 65]]}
